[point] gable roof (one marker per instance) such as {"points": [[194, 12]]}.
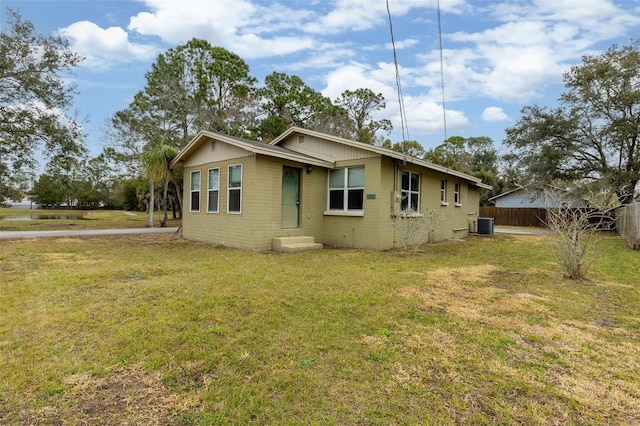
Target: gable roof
{"points": [[381, 151], [248, 145], [547, 195], [531, 189], [274, 149]]}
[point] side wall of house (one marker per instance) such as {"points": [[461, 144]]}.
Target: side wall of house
{"points": [[456, 219], [264, 211], [260, 218], [234, 230], [376, 230], [367, 230]]}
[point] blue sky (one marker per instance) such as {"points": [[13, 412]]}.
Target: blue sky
{"points": [[498, 55]]}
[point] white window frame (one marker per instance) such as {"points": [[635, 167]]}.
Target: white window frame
{"points": [[210, 190], [406, 193], [235, 188], [443, 192], [345, 188], [456, 194], [192, 191]]}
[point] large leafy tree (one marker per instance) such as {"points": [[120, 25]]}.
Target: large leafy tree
{"points": [[48, 191], [219, 85], [468, 155], [476, 156], [190, 88], [592, 139], [361, 104], [288, 101], [410, 148], [33, 98]]}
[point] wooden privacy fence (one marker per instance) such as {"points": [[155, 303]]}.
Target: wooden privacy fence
{"points": [[508, 216], [628, 224]]}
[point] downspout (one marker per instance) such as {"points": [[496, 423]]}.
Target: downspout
{"points": [[396, 168]]}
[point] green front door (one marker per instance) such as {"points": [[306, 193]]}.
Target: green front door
{"points": [[290, 197]]}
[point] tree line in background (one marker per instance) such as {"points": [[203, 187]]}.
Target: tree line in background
{"points": [[589, 141]]}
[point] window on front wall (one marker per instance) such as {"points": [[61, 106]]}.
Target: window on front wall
{"points": [[456, 193], [443, 191], [213, 191], [410, 192], [346, 189], [234, 193], [195, 191]]}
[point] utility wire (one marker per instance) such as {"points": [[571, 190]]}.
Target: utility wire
{"points": [[403, 116], [444, 109]]}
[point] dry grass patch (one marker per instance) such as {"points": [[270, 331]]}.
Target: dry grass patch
{"points": [[588, 359], [123, 396]]}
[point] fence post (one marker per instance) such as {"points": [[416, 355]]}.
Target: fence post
{"points": [[628, 224]]}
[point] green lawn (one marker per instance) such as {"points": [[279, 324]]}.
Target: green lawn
{"points": [[154, 329]]}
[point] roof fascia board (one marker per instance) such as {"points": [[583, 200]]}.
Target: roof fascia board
{"points": [[195, 142]]}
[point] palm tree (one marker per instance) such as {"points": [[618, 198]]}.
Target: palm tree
{"points": [[156, 162]]}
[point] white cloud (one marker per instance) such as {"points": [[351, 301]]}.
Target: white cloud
{"points": [[354, 15], [239, 26], [425, 116], [326, 56], [102, 47], [494, 114], [516, 61], [403, 44], [354, 76]]}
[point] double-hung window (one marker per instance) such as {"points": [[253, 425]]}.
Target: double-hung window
{"points": [[443, 191], [195, 191], [410, 192], [234, 192], [213, 191], [346, 189], [456, 194]]}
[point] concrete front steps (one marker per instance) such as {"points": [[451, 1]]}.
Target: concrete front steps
{"points": [[294, 244]]}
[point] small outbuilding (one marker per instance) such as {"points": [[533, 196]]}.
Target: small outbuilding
{"points": [[530, 197]]}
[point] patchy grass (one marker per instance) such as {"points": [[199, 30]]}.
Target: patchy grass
{"points": [[157, 330], [76, 219]]}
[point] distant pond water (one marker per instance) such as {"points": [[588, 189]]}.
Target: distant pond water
{"points": [[42, 216]]}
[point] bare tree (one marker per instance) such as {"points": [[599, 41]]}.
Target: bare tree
{"points": [[415, 227], [577, 230]]}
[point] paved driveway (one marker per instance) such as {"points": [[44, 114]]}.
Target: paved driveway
{"points": [[522, 230], [83, 233]]}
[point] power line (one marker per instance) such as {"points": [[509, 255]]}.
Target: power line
{"points": [[444, 109], [403, 116]]}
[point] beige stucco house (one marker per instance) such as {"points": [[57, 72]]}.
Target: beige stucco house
{"points": [[338, 192]]}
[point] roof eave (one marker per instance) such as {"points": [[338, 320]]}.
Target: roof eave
{"points": [[177, 163], [381, 151]]}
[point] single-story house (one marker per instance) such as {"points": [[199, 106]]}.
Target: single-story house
{"points": [[333, 191], [531, 197]]}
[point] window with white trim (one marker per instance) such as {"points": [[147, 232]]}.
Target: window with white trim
{"points": [[410, 192], [213, 191], [195, 191], [346, 189], [234, 191], [443, 191], [456, 193]]}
